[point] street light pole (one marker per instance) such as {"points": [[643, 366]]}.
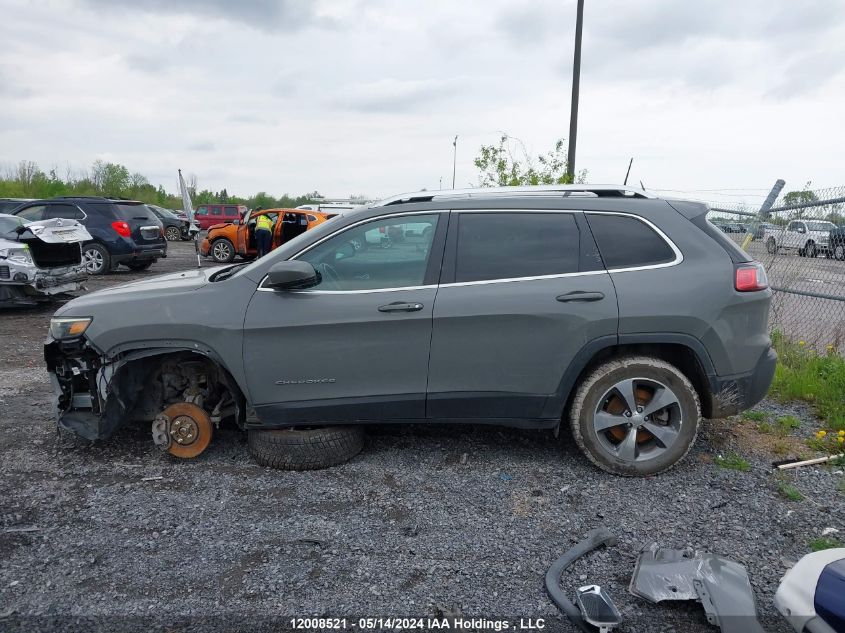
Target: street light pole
{"points": [[576, 85], [454, 159]]}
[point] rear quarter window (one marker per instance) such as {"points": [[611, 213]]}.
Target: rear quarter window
{"points": [[628, 242]]}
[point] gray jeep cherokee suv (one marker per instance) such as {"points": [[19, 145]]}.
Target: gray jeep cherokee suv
{"points": [[626, 316]]}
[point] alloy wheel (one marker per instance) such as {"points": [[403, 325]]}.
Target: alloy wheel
{"points": [[221, 252], [637, 419], [94, 261]]}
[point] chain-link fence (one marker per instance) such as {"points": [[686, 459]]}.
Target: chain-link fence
{"points": [[800, 242]]}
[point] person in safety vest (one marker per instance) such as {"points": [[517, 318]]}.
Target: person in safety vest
{"points": [[263, 234]]}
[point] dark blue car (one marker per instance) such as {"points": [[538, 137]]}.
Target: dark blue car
{"points": [[125, 231]]}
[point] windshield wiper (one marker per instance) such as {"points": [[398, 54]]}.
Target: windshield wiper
{"points": [[228, 272]]}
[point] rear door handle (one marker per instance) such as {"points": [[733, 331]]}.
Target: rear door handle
{"points": [[580, 295], [400, 306]]}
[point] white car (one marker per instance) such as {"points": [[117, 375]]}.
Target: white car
{"points": [[40, 259], [808, 237]]}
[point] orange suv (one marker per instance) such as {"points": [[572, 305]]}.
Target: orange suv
{"points": [[224, 241]]}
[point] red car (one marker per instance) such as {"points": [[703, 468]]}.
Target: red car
{"points": [[207, 215]]}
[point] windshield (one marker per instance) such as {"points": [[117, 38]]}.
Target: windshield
{"points": [[130, 211], [165, 212], [820, 226]]}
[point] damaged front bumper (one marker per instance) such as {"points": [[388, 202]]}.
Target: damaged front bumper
{"points": [[26, 283], [88, 399]]}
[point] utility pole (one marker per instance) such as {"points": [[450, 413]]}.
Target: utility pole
{"points": [[454, 159], [770, 199], [576, 85]]}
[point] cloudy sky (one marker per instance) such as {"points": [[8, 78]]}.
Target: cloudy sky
{"points": [[365, 96]]}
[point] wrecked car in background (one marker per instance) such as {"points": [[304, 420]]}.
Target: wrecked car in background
{"points": [[40, 259]]}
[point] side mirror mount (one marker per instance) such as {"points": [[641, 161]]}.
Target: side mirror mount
{"points": [[292, 275]]}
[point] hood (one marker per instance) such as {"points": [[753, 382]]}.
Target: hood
{"points": [[54, 231], [153, 289], [219, 225]]}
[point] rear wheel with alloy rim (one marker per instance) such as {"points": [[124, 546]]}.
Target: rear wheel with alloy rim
{"points": [[839, 251], [96, 258], [635, 416], [173, 233]]}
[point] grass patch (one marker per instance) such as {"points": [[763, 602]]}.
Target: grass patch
{"points": [[823, 542], [841, 485], [764, 427], [785, 424], [789, 492], [804, 374], [733, 461], [754, 416]]}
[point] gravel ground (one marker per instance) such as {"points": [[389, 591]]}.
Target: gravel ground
{"points": [[118, 534]]}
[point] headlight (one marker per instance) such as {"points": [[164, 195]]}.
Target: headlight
{"points": [[18, 255], [65, 328]]}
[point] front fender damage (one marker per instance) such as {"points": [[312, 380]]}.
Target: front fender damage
{"points": [[95, 395]]}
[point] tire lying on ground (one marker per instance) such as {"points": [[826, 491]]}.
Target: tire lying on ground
{"points": [[306, 449]]}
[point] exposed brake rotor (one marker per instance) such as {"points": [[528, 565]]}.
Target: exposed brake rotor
{"points": [[183, 430]]}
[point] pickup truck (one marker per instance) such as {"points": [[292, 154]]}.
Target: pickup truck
{"points": [[808, 237], [836, 245]]}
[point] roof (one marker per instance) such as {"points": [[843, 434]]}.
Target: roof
{"points": [[567, 191]]}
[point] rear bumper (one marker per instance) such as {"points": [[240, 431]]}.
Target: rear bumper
{"points": [[733, 394], [141, 254]]}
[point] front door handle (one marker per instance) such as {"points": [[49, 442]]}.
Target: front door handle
{"points": [[580, 295], [401, 306]]}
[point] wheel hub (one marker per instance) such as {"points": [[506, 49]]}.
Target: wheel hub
{"points": [[183, 429]]}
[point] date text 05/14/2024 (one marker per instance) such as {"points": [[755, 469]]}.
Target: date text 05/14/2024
{"points": [[416, 624]]}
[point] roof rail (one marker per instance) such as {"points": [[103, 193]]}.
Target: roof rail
{"points": [[574, 191]]}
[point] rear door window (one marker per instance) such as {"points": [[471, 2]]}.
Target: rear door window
{"points": [[513, 245], [66, 211], [216, 210], [31, 214], [628, 242]]}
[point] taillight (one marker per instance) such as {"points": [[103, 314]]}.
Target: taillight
{"points": [[122, 228], [750, 277]]}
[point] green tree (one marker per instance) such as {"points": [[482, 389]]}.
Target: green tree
{"points": [[509, 164], [803, 196]]}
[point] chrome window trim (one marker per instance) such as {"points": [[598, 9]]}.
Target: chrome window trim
{"points": [[679, 257]]}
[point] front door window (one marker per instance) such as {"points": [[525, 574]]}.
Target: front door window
{"points": [[386, 253]]}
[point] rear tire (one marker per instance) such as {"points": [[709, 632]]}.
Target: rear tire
{"points": [[306, 449], [839, 252], [97, 259], [675, 425], [173, 234]]}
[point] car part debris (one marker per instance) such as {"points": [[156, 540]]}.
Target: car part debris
{"points": [[594, 539], [597, 608], [810, 595], [806, 462], [182, 429], [720, 584]]}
